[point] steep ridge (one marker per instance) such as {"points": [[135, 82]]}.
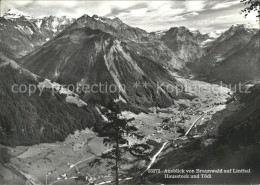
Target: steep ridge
{"points": [[27, 119], [85, 56], [182, 42]]}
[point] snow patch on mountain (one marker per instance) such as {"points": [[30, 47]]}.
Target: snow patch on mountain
{"points": [[205, 42], [160, 33], [101, 19], [15, 14], [219, 58], [212, 36], [215, 34]]}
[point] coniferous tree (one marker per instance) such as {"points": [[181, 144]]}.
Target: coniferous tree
{"points": [[116, 131]]}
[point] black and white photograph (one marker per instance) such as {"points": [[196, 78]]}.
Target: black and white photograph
{"points": [[123, 92]]}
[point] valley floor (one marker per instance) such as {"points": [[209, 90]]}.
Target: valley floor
{"points": [[61, 162]]}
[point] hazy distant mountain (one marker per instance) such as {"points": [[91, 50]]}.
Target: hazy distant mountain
{"points": [[240, 66], [205, 40], [235, 36], [28, 119], [230, 42], [159, 34], [199, 36], [182, 42], [23, 33], [87, 56], [16, 14]]}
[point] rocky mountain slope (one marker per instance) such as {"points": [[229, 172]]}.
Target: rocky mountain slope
{"points": [[146, 44], [49, 116], [23, 33], [87, 56], [8, 52], [182, 42]]}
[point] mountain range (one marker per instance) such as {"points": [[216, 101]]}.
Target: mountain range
{"points": [[80, 54], [55, 51], [94, 57], [23, 33]]}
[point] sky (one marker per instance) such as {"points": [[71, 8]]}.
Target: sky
{"points": [[205, 15]]}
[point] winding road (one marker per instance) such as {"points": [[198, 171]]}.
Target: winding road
{"points": [[165, 143], [194, 123], [155, 156]]}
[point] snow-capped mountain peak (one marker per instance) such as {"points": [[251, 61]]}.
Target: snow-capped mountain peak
{"points": [[15, 14], [195, 32], [215, 34]]}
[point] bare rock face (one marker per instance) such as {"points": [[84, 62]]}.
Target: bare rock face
{"points": [[86, 56], [183, 43]]}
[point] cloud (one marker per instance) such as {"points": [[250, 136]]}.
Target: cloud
{"points": [[148, 15], [195, 5], [116, 11], [225, 5]]}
